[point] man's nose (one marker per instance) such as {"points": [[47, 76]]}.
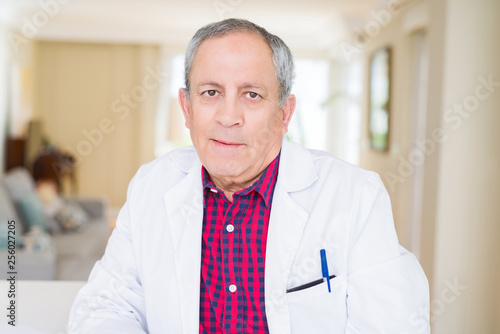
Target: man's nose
{"points": [[230, 111]]}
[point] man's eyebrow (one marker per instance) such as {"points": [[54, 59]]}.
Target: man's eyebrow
{"points": [[248, 85], [245, 85], [210, 83]]}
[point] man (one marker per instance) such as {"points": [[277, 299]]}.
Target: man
{"points": [[246, 232]]}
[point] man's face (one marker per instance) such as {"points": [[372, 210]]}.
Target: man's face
{"points": [[233, 113]]}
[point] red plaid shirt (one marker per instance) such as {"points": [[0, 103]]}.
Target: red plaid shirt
{"points": [[233, 256]]}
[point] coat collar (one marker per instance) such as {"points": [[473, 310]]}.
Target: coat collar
{"points": [[184, 207], [286, 226], [296, 170]]}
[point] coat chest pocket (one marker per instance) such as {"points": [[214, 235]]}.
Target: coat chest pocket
{"points": [[315, 310]]}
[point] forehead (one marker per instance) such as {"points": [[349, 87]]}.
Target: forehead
{"points": [[250, 41], [234, 50]]}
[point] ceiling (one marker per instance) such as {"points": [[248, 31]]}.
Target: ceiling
{"points": [[303, 24]]}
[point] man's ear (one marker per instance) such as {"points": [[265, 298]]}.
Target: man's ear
{"points": [[288, 110], [184, 103]]}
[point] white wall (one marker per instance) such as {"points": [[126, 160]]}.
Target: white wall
{"points": [[460, 251], [98, 102], [398, 35], [468, 211]]}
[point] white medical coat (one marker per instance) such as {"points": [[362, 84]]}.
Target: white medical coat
{"points": [[149, 277]]}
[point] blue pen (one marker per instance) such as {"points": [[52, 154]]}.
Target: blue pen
{"points": [[324, 269]]}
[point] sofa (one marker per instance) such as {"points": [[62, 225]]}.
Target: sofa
{"points": [[48, 253]]}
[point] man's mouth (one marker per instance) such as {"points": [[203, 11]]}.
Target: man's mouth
{"points": [[226, 143]]}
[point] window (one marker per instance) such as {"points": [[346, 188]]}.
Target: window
{"points": [[309, 124]]}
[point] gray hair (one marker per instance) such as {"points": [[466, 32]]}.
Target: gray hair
{"points": [[282, 57]]}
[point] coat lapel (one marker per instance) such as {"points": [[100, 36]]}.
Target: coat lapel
{"points": [[184, 205], [286, 226]]}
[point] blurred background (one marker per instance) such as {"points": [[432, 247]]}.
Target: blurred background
{"points": [[407, 88]]}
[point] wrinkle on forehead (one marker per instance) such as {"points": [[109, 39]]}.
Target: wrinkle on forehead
{"points": [[240, 59]]}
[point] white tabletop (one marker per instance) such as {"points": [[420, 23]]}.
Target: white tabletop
{"points": [[8, 329], [41, 306]]}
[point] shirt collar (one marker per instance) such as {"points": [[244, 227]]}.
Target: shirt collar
{"points": [[264, 185]]}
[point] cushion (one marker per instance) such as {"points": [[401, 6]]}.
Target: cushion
{"points": [[7, 213], [4, 228], [19, 183], [71, 217], [31, 209], [53, 226], [7, 208], [52, 203], [36, 240]]}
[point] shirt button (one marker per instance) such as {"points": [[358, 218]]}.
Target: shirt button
{"points": [[230, 228], [232, 288]]}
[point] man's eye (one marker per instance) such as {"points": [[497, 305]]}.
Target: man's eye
{"points": [[252, 95], [210, 92]]}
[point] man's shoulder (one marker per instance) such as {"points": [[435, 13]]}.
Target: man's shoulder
{"points": [[328, 164], [178, 161], [313, 170]]}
